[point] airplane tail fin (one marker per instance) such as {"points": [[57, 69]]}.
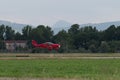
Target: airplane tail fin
{"points": [[34, 43]]}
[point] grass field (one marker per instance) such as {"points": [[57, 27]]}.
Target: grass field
{"points": [[81, 69]]}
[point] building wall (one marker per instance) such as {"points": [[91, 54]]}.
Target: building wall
{"points": [[11, 45], [23, 45]]}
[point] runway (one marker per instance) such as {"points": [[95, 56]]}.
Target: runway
{"points": [[57, 56]]}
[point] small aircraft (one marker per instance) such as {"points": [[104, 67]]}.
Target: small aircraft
{"points": [[48, 45]]}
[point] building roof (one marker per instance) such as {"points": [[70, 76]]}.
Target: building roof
{"points": [[15, 41]]}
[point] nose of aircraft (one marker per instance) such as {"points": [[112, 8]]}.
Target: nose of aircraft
{"points": [[59, 46]]}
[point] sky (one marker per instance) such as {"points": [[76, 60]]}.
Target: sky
{"points": [[48, 12]]}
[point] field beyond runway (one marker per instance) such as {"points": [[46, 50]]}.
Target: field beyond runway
{"points": [[59, 67]]}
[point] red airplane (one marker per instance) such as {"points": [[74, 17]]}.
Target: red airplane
{"points": [[47, 45]]}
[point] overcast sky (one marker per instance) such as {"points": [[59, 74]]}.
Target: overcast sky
{"points": [[48, 12]]}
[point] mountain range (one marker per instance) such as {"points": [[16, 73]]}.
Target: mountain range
{"points": [[60, 25], [16, 26], [102, 26], [66, 25]]}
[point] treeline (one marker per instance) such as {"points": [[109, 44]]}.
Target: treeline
{"points": [[77, 39]]}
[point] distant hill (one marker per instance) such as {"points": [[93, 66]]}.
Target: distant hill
{"points": [[66, 25], [102, 26], [58, 26], [16, 26]]}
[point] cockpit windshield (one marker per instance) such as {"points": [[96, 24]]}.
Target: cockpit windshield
{"points": [[48, 43]]}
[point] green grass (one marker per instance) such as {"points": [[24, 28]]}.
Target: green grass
{"points": [[87, 69]]}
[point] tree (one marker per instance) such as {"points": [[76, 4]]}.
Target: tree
{"points": [[18, 36], [10, 33], [41, 34], [114, 46], [104, 47], [64, 40], [117, 33], [110, 33], [2, 45], [92, 48], [2, 30], [73, 33], [48, 33], [84, 36], [26, 32], [74, 29]]}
